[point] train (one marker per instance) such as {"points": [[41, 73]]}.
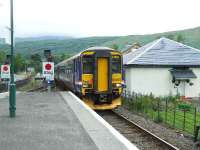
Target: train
{"points": [[95, 75]]}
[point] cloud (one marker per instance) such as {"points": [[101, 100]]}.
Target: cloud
{"points": [[100, 17]]}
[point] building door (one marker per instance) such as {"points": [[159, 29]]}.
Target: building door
{"points": [[181, 88], [102, 74]]}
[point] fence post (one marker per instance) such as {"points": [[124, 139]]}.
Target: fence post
{"points": [[195, 118], [147, 106], [184, 113], [131, 98], [152, 111], [142, 104], [158, 109], [136, 105], [196, 133], [174, 114], [166, 109]]}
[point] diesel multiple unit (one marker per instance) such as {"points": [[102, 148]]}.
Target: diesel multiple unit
{"points": [[95, 75]]}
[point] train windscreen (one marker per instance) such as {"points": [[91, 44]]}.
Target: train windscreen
{"points": [[88, 64], [116, 64]]}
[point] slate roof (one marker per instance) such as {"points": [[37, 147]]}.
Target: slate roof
{"points": [[164, 52]]}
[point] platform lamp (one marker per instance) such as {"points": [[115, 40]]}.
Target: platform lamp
{"points": [[12, 89]]}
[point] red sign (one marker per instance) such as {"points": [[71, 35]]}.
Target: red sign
{"points": [[48, 71], [5, 68], [48, 66], [5, 71]]}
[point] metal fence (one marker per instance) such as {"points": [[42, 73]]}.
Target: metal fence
{"points": [[169, 110]]}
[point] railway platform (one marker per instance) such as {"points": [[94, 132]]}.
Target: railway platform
{"points": [[56, 120]]}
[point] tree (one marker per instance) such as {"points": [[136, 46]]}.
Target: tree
{"points": [[19, 63], [115, 46], [2, 57], [170, 36], [36, 62], [36, 58], [158, 37], [180, 38]]}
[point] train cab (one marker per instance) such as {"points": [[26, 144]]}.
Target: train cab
{"points": [[101, 76]]}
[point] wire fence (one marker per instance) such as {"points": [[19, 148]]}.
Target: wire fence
{"points": [[169, 110]]}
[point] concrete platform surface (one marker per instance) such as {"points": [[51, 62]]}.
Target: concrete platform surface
{"points": [[102, 133], [43, 122]]}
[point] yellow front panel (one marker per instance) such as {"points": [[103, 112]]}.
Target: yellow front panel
{"points": [[87, 79], [117, 78], [88, 53], [102, 74], [115, 53]]}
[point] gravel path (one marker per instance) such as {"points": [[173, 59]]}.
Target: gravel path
{"points": [[176, 138]]}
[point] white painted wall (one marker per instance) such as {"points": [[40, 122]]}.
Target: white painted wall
{"points": [[194, 91], [158, 81]]}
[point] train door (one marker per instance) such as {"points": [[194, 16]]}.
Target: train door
{"points": [[102, 74]]}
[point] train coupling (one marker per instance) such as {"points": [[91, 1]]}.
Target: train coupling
{"points": [[103, 98]]}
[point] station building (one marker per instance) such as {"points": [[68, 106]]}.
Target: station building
{"points": [[163, 67]]}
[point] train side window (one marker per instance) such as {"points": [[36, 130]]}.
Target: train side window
{"points": [[88, 65], [116, 65]]}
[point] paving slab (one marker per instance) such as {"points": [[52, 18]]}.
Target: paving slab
{"points": [[43, 122]]}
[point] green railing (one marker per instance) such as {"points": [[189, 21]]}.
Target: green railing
{"points": [[171, 111]]}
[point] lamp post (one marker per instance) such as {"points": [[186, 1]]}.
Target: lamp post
{"points": [[12, 93]]}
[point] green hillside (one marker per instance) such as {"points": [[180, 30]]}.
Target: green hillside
{"points": [[191, 37], [70, 46], [58, 46]]}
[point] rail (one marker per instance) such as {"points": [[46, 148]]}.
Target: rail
{"points": [[143, 138], [19, 83]]}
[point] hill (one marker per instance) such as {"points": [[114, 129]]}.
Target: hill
{"points": [[190, 37], [40, 38], [70, 46], [58, 46]]}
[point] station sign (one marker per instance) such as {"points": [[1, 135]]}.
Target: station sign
{"points": [[5, 72], [48, 71]]}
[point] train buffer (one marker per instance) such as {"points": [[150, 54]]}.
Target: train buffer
{"points": [[56, 120]]}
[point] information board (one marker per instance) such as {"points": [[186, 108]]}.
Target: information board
{"points": [[5, 72], [48, 71]]}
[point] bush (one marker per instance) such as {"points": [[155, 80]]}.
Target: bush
{"points": [[184, 106]]}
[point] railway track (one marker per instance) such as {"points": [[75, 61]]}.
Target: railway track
{"points": [[44, 89], [19, 83], [39, 89], [139, 136]]}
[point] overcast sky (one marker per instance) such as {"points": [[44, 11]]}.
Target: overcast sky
{"points": [[99, 17]]}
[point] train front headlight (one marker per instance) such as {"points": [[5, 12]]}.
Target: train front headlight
{"points": [[86, 84], [117, 85]]}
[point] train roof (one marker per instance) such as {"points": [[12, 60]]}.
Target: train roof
{"points": [[99, 48], [96, 48]]}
